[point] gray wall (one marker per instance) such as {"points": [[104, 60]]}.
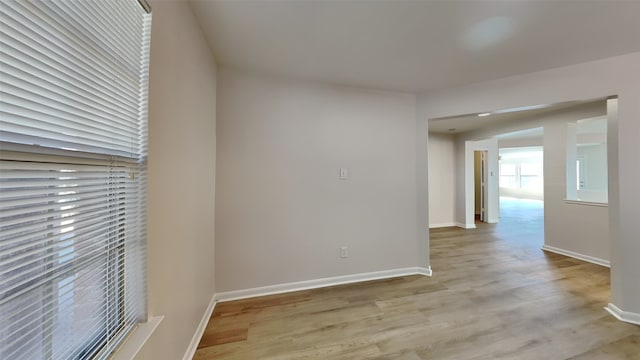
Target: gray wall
{"points": [[182, 152], [282, 213], [442, 175]]}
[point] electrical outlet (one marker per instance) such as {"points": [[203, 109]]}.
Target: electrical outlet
{"points": [[344, 252]]}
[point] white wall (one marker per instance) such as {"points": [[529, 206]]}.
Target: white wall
{"points": [[441, 180], [618, 75], [520, 142], [579, 228], [182, 151], [282, 214]]}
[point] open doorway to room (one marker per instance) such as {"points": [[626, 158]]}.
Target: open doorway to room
{"points": [[521, 179], [542, 179], [553, 166]]}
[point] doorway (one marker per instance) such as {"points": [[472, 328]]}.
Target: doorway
{"points": [[481, 192], [522, 189], [480, 184]]}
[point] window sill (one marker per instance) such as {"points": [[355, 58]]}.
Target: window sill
{"points": [[587, 203], [136, 340]]}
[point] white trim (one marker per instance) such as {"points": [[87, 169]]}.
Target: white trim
{"points": [[319, 283], [465, 226], [130, 348], [576, 255], [195, 340], [424, 271], [587, 203], [626, 316], [441, 225]]}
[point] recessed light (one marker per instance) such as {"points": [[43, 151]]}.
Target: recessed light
{"points": [[484, 114]]}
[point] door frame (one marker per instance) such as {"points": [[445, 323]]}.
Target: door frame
{"points": [[492, 198]]}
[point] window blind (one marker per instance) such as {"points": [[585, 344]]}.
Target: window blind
{"points": [[73, 152], [71, 74]]}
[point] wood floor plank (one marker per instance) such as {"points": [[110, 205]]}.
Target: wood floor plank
{"points": [[494, 295], [223, 337], [625, 348]]}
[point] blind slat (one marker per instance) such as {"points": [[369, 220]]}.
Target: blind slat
{"points": [[73, 127], [111, 75], [48, 79]]}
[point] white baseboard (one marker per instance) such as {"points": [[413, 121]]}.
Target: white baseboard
{"points": [[441, 225], [195, 340], [319, 283], [426, 271], [576, 255], [632, 318], [465, 226]]}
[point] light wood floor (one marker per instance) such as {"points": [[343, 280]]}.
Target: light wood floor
{"points": [[494, 295]]}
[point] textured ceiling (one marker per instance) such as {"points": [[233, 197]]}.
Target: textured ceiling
{"points": [[414, 46]]}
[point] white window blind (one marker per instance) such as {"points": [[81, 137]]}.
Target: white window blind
{"points": [[73, 152]]}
